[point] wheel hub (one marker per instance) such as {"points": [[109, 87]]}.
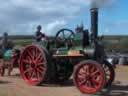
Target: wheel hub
{"points": [[89, 78], [33, 65]]}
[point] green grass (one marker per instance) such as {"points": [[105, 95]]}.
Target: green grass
{"points": [[22, 42], [121, 45]]}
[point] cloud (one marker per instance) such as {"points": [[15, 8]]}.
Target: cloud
{"points": [[54, 25], [22, 16]]}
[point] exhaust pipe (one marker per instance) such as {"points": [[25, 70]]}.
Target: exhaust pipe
{"points": [[94, 22]]}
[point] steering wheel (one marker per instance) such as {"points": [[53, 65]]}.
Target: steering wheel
{"points": [[65, 37]]}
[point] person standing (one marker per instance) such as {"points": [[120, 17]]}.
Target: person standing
{"points": [[4, 42], [39, 35], [4, 45], [6, 49]]}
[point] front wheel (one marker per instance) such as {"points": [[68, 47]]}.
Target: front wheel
{"points": [[89, 77], [110, 73]]}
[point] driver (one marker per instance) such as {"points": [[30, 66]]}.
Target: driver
{"points": [[41, 38], [39, 35], [84, 35]]}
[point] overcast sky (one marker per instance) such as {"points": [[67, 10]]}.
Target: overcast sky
{"points": [[22, 16]]}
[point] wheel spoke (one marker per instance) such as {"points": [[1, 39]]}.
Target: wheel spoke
{"points": [[39, 58], [28, 70], [30, 55], [94, 73], [83, 82], [108, 77], [41, 64], [63, 35], [35, 53], [92, 69], [95, 82], [70, 36], [41, 70], [38, 75], [106, 69], [29, 58], [29, 75], [81, 77], [27, 66], [89, 84], [26, 61], [33, 74], [108, 74], [87, 69], [82, 74]]}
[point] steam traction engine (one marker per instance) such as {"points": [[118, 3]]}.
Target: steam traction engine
{"points": [[57, 58]]}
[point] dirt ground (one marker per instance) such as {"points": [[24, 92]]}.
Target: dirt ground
{"points": [[15, 86]]}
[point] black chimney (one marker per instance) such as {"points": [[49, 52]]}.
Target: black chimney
{"points": [[94, 22]]}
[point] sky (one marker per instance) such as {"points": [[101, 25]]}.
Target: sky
{"points": [[21, 17]]}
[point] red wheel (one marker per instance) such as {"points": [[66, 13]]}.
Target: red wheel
{"points": [[33, 65], [89, 77], [110, 73]]}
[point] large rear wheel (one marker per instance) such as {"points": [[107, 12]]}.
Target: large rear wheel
{"points": [[89, 77], [34, 65]]}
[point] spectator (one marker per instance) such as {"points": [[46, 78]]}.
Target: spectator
{"points": [[6, 47], [115, 61]]}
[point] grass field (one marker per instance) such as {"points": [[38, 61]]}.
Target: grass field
{"points": [[22, 42]]}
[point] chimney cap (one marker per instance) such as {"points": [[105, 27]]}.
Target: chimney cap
{"points": [[94, 9]]}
